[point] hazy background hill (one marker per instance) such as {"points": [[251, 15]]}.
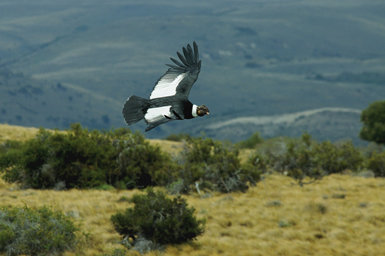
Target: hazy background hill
{"points": [[78, 61]]}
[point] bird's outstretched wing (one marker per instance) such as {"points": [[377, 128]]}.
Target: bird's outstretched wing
{"points": [[181, 75]]}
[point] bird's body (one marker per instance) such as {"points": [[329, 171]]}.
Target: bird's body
{"points": [[169, 98]]}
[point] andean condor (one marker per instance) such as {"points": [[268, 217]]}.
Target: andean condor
{"points": [[169, 98]]}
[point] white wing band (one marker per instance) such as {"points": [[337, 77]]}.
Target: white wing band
{"points": [[156, 114], [167, 86], [194, 111]]}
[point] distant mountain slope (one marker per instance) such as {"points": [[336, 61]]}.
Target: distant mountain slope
{"points": [[30, 102], [280, 119], [323, 124], [259, 58]]}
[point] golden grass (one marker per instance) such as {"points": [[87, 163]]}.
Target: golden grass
{"points": [[277, 217], [172, 147], [338, 215], [13, 132]]}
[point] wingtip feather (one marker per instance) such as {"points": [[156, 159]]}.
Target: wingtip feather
{"points": [[183, 59], [176, 62], [188, 54], [188, 58], [185, 53], [196, 52]]}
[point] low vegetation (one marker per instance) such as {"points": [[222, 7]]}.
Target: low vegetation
{"points": [[251, 142], [85, 159], [213, 165], [340, 213], [373, 119], [202, 171], [158, 219], [80, 158], [305, 158], [38, 231]]}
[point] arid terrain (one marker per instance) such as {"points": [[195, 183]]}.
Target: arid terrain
{"points": [[338, 215]]}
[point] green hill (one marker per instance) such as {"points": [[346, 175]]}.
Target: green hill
{"points": [[259, 58]]}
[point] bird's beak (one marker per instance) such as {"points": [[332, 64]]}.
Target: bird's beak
{"points": [[208, 113]]}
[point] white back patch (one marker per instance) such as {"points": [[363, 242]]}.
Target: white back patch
{"points": [[157, 114], [167, 85]]}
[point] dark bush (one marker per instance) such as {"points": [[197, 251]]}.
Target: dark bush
{"points": [[79, 158], [178, 137], [10, 154], [376, 163], [299, 160], [251, 142], [9, 145], [373, 119], [256, 162], [116, 252], [39, 231], [305, 157], [158, 219], [214, 165], [335, 158], [140, 164]]}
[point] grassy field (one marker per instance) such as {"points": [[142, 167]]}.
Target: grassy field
{"points": [[12, 132], [338, 215]]}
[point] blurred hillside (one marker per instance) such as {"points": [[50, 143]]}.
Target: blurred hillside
{"points": [[64, 62]]}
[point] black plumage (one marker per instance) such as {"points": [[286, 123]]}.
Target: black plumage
{"points": [[169, 97]]}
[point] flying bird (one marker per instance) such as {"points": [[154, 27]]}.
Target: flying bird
{"points": [[169, 98]]}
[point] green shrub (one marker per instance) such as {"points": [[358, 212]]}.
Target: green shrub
{"points": [[304, 157], [158, 219], [373, 119], [251, 142], [258, 162], [299, 160], [376, 163], [35, 231], [178, 137], [10, 155], [140, 164], [8, 145], [79, 158], [214, 165], [335, 158], [116, 252]]}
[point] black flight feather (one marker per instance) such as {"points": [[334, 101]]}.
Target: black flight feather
{"points": [[175, 68], [186, 54], [190, 55], [190, 51], [182, 58], [196, 55], [177, 62]]}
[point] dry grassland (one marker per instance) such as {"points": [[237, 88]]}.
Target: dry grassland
{"points": [[12, 132], [172, 147], [338, 215]]}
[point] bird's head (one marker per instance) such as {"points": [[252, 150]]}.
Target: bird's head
{"points": [[202, 110]]}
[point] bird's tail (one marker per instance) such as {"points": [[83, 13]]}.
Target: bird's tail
{"points": [[134, 109]]}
